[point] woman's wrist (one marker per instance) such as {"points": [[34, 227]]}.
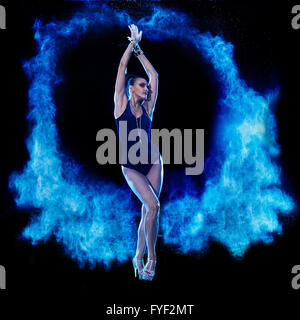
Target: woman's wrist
{"points": [[135, 47], [137, 50], [133, 42]]}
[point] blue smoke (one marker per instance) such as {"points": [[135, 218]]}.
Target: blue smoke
{"points": [[242, 196], [91, 218]]}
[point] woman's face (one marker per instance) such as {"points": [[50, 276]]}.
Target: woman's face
{"points": [[139, 89]]}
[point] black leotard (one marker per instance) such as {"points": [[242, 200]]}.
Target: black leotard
{"points": [[144, 121]]}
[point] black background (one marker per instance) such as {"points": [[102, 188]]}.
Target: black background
{"points": [[266, 54]]}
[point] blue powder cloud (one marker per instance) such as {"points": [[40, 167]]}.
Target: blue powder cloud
{"points": [[242, 197]]}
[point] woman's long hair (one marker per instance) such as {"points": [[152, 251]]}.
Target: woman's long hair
{"points": [[130, 80]]}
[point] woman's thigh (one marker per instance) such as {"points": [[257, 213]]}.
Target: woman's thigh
{"points": [[155, 176], [141, 186]]}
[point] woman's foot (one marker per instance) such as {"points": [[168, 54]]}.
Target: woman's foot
{"points": [[138, 265], [149, 269]]}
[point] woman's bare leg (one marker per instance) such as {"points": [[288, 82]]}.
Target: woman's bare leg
{"points": [[155, 176], [141, 241], [143, 189]]}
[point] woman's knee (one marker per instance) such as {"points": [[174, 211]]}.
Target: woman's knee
{"points": [[153, 209], [144, 210]]}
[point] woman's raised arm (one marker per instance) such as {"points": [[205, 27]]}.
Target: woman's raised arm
{"points": [[149, 69], [153, 82], [120, 97]]}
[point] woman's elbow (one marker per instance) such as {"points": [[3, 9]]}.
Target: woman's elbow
{"points": [[154, 74]]}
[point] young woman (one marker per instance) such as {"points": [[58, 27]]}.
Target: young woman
{"points": [[134, 101]]}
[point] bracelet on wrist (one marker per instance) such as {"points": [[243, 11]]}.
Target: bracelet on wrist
{"points": [[137, 50], [138, 53]]}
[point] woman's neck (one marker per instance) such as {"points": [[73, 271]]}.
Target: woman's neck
{"points": [[136, 105]]}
